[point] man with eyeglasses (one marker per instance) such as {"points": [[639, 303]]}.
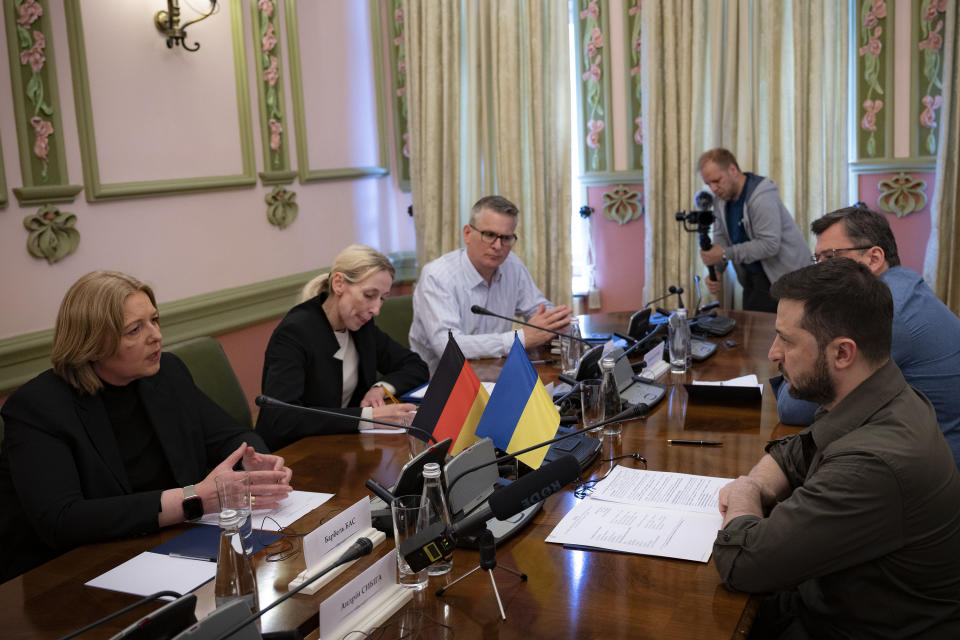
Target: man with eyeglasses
{"points": [[753, 230], [926, 334], [484, 273]]}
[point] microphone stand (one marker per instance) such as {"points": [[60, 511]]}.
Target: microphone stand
{"points": [[272, 403], [488, 562], [482, 311]]}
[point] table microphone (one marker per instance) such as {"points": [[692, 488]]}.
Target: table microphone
{"points": [[437, 540], [361, 547], [272, 403], [661, 328], [672, 290], [638, 410], [482, 311]]}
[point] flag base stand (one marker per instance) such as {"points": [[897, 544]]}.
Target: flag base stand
{"points": [[488, 562]]}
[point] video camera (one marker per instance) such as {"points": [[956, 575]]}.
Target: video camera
{"points": [[700, 221]]}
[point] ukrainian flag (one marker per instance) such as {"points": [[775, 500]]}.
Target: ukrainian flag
{"points": [[520, 412]]}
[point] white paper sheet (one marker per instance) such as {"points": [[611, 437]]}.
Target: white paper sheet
{"points": [[596, 524], [151, 572], [742, 381], [663, 489], [294, 507]]}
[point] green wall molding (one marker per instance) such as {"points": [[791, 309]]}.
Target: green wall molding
{"points": [[36, 104], [96, 190], [894, 165], [4, 199], [592, 28], [52, 233], [273, 114], [282, 207], [606, 178], [299, 111], [209, 314]]}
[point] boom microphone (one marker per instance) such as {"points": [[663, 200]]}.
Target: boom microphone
{"points": [[268, 402], [482, 311]]}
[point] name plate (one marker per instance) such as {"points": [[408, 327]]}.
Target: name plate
{"points": [[379, 578], [339, 529], [656, 366]]}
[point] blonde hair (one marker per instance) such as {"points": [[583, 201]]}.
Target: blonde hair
{"points": [[89, 325], [356, 263], [721, 157]]}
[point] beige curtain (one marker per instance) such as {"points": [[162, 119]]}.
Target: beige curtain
{"points": [[766, 80], [433, 44], [945, 233], [511, 118]]}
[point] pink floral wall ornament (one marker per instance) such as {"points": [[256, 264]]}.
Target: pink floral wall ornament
{"points": [[270, 68], [275, 130], [400, 89], [592, 44], [902, 194], [870, 108], [930, 43], [622, 204], [593, 137], [32, 46], [634, 20], [870, 29]]}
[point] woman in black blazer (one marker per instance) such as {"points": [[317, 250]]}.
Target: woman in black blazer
{"points": [[327, 352], [116, 440]]}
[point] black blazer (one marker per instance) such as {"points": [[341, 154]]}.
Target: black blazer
{"points": [[299, 368], [63, 482]]}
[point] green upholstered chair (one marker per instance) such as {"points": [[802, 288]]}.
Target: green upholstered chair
{"points": [[212, 372], [396, 316]]}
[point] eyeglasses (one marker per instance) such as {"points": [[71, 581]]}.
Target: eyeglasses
{"points": [[489, 237], [830, 254]]}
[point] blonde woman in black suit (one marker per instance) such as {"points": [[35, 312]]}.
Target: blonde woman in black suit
{"points": [[327, 352]]}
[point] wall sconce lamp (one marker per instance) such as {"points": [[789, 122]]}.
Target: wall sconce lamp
{"points": [[168, 24]]}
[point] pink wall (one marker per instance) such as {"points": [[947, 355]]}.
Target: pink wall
{"points": [[619, 256], [161, 113], [911, 231]]}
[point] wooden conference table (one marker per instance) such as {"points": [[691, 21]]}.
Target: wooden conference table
{"points": [[569, 594]]}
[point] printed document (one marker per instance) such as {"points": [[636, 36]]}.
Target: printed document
{"points": [[673, 515]]}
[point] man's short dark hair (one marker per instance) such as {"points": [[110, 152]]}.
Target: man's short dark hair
{"points": [[498, 204], [721, 157], [842, 297], [864, 227]]}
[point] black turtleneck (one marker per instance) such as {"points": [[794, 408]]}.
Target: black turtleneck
{"points": [[147, 466]]}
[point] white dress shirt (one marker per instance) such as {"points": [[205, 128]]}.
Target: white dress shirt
{"points": [[449, 286]]}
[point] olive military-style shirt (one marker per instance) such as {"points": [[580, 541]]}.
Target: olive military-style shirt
{"points": [[868, 543]]}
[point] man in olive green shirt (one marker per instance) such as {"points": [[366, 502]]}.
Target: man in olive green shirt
{"points": [[854, 523]]}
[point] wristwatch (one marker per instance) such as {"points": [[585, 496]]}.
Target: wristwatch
{"points": [[192, 504]]}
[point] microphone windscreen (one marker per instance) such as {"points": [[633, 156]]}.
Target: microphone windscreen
{"points": [[263, 401], [479, 310], [534, 487]]}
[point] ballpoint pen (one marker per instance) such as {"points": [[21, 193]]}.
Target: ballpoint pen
{"points": [[700, 443]]}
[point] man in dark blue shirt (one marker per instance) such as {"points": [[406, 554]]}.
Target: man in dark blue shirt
{"points": [[926, 334], [753, 230]]}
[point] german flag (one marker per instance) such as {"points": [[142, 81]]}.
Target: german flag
{"points": [[454, 401]]}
